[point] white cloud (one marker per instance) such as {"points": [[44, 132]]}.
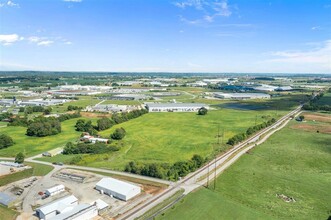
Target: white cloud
{"points": [[8, 39], [34, 39], [45, 43], [317, 58], [68, 42], [210, 10], [72, 0], [316, 28], [12, 4]]}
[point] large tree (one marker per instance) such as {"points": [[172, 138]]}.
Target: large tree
{"points": [[202, 111], [19, 158], [5, 141]]}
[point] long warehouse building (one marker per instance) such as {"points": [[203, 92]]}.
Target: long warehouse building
{"points": [[118, 189], [175, 107]]}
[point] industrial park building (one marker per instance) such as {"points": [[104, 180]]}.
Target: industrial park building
{"points": [[55, 190], [175, 107], [241, 96], [118, 189], [55, 208]]}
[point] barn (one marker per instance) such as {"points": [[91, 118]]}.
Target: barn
{"points": [[118, 189]]}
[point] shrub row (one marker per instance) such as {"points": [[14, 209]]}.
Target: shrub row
{"points": [[164, 170], [251, 130], [88, 148]]}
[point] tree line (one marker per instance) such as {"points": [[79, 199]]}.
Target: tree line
{"points": [[106, 123], [88, 148], [24, 122], [251, 130], [31, 109], [42, 127], [166, 170], [313, 104]]}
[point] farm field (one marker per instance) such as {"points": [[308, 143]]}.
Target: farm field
{"points": [[171, 137], [35, 145], [293, 162]]}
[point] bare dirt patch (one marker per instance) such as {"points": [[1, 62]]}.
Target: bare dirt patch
{"points": [[94, 115], [313, 128], [317, 117]]}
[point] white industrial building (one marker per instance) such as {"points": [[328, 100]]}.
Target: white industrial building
{"points": [[241, 96], [118, 189], [175, 107], [78, 212], [55, 190], [56, 207]]}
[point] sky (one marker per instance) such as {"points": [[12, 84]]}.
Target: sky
{"points": [[255, 36]]}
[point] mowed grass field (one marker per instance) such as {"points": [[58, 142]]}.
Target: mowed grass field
{"points": [[293, 162], [171, 137], [35, 145]]}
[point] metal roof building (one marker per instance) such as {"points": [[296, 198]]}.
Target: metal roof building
{"points": [[55, 190], [6, 199], [241, 96], [175, 107], [78, 212], [55, 208], [118, 189]]}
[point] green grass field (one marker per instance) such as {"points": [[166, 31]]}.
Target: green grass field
{"points": [[7, 214], [82, 102], [292, 162], [170, 137], [34, 145], [325, 100]]}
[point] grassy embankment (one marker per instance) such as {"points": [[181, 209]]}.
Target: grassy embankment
{"points": [[293, 162]]}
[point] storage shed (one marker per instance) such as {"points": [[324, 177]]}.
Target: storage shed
{"points": [[55, 190], [118, 189]]}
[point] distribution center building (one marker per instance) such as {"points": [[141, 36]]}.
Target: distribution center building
{"points": [[118, 189], [175, 107]]}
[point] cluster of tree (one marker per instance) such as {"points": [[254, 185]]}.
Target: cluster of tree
{"points": [[251, 130], [313, 105], [30, 109], [88, 148], [104, 123], [126, 116], [164, 170], [5, 116], [42, 127], [85, 126], [5, 141], [202, 111], [65, 117], [118, 134], [18, 121], [73, 107]]}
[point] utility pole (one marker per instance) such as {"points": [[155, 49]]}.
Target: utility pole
{"points": [[218, 144]]}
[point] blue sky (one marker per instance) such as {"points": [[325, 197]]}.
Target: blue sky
{"points": [[285, 36]]}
